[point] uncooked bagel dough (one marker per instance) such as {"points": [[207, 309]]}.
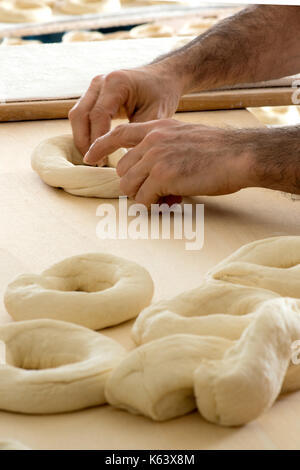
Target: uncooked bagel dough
{"points": [[23, 11], [54, 367], [59, 164], [95, 290], [151, 31], [156, 379], [213, 309], [82, 7], [246, 382], [82, 36], [12, 445], [273, 263]]}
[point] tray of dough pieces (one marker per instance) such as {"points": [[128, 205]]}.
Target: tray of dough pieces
{"points": [[114, 14]]}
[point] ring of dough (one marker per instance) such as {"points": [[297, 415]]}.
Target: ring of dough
{"points": [[54, 367], [272, 263], [82, 7], [231, 382], [95, 290], [24, 11], [59, 164], [226, 302], [82, 36], [151, 31], [196, 27]]}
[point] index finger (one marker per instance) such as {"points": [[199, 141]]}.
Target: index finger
{"points": [[80, 116], [126, 135]]}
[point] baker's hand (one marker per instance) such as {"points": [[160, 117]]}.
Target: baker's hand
{"points": [[174, 158], [146, 93]]}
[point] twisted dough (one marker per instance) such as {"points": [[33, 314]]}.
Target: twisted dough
{"points": [[23, 11], [95, 290], [82, 7], [243, 379], [59, 164], [54, 367]]}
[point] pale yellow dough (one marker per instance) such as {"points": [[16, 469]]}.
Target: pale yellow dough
{"points": [[23, 11], [82, 36], [151, 30], [54, 367], [82, 7], [59, 164], [251, 300], [96, 290]]}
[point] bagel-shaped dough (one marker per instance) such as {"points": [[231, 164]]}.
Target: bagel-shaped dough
{"points": [[24, 11], [246, 382], [59, 164], [213, 309], [82, 7], [156, 379], [54, 367], [95, 290], [11, 444], [151, 31], [82, 36], [234, 381], [273, 264]]}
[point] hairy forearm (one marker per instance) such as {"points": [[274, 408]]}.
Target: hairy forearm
{"points": [[274, 156], [259, 43]]}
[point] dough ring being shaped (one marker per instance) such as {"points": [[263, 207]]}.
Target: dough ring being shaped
{"points": [[96, 290], [82, 36], [10, 444], [272, 263], [233, 381], [59, 164], [156, 379], [82, 7], [214, 309], [54, 367], [24, 11], [151, 31], [246, 382]]}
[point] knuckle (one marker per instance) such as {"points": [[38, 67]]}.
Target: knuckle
{"points": [[119, 130], [154, 136], [96, 81], [115, 76]]}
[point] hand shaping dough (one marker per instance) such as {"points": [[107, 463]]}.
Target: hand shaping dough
{"points": [[156, 379], [95, 290], [213, 309], [24, 11], [12, 445], [82, 36], [151, 31], [246, 382], [54, 367], [59, 164], [82, 7]]}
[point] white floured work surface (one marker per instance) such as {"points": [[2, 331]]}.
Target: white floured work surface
{"points": [[62, 71]]}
